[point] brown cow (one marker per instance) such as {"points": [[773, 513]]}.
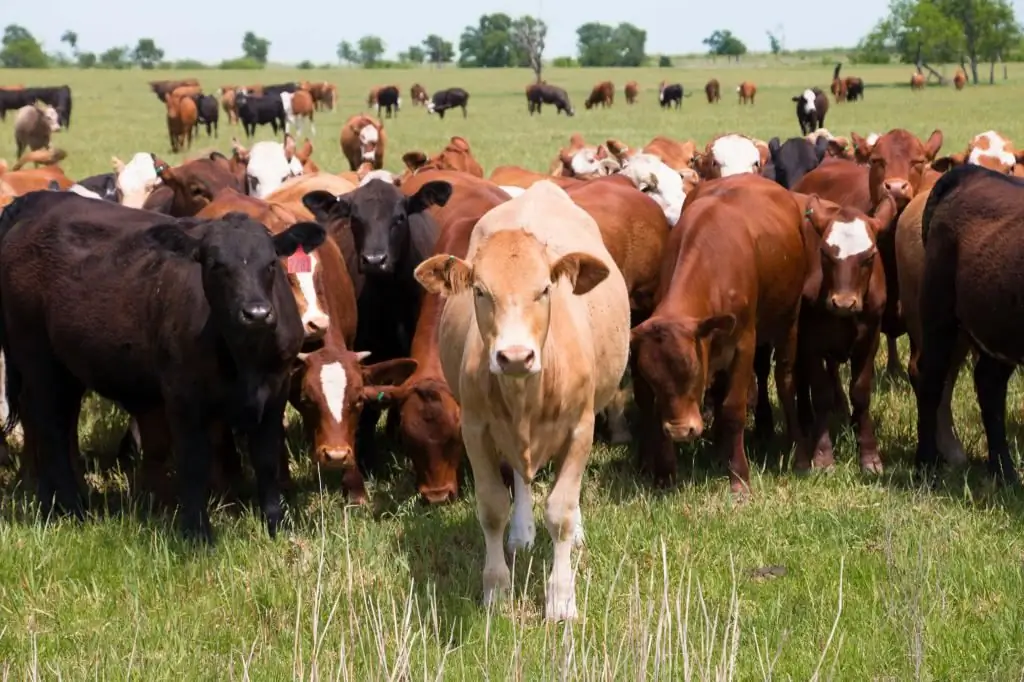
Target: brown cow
{"points": [[675, 154], [712, 312], [747, 91], [418, 95], [363, 139], [188, 188], [163, 88], [603, 94], [712, 90], [917, 81], [181, 119], [510, 177], [632, 91], [840, 319], [227, 102], [838, 88], [960, 79], [40, 157], [580, 160], [456, 156]]}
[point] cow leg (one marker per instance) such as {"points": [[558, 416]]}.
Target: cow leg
{"points": [[840, 403], [764, 428], [464, 112], [312, 125], [50, 430], [656, 454], [266, 443], [731, 417], [862, 373], [785, 361], [892, 364], [948, 443], [492, 507], [990, 379], [805, 413], [194, 454], [523, 531], [615, 413]]}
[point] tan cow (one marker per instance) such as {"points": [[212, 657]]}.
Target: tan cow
{"points": [[534, 339], [917, 81], [363, 139], [747, 91], [227, 102]]}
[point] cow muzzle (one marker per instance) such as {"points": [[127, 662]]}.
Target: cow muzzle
{"points": [[315, 327], [845, 304], [335, 457], [899, 189], [375, 263], [684, 430], [440, 495], [516, 361], [256, 315]]}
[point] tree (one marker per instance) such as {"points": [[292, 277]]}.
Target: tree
{"points": [[416, 54], [725, 44], [115, 58], [86, 60], [255, 48], [774, 43], [601, 45], [71, 38], [371, 49], [629, 42], [439, 50], [146, 54], [529, 35], [489, 44], [21, 50], [347, 53]]}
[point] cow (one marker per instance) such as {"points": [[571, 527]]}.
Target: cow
{"points": [[207, 113], [811, 108], [227, 102], [917, 81], [371, 99], [390, 99], [268, 165], [666, 186], [206, 332], [298, 106], [456, 156], [531, 358], [632, 91], [163, 88], [135, 180], [580, 160], [712, 313], [418, 95], [603, 94], [542, 93], [448, 99], [260, 110], [970, 229], [182, 116], [363, 140], [854, 88], [184, 190], [669, 94], [840, 319], [712, 90], [959, 79], [747, 91], [989, 149], [279, 88], [730, 154], [57, 97], [838, 86], [795, 158], [34, 126], [103, 185], [675, 154]]}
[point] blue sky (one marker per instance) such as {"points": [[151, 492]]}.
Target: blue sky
{"points": [[312, 29]]}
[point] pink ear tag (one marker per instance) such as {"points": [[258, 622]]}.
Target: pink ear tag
{"points": [[299, 262]]}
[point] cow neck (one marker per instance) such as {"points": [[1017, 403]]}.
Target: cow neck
{"points": [[691, 292]]}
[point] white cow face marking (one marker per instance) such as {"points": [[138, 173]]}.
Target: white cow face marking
{"points": [[136, 180], [808, 101], [735, 155], [368, 139], [654, 178], [849, 239], [996, 150], [314, 319], [333, 383], [383, 175], [268, 168]]}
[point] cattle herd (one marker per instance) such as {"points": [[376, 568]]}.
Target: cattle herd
{"points": [[494, 316]]}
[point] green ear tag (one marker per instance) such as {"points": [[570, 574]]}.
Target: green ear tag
{"points": [[380, 396]]}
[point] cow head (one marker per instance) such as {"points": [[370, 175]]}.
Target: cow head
{"points": [[671, 355], [369, 137], [662, 184], [513, 281], [898, 160], [730, 155], [52, 118], [241, 273], [379, 215], [268, 165], [805, 102], [848, 251], [587, 162], [193, 184], [795, 158], [988, 149]]}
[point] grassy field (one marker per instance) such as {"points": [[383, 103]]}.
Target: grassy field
{"points": [[832, 576]]}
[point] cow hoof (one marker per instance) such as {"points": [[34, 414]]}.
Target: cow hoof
{"points": [[621, 437], [521, 536], [954, 455], [357, 498], [561, 602], [823, 459], [740, 492], [497, 584], [871, 464]]}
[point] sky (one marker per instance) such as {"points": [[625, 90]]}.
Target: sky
{"points": [[311, 29]]}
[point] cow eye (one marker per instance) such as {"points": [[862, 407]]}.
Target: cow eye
{"points": [[478, 292], [544, 292], [197, 191]]}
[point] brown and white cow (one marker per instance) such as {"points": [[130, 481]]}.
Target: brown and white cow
{"points": [[298, 108], [632, 91], [584, 161], [731, 154], [917, 81], [666, 183], [747, 91], [418, 95], [713, 91], [456, 156], [363, 139], [603, 93], [534, 340], [960, 79], [989, 149]]}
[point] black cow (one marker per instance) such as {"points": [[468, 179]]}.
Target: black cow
{"points": [[793, 159], [104, 184], [208, 113], [58, 97], [671, 94], [542, 93], [383, 236], [253, 111], [388, 98], [854, 89], [447, 99], [190, 318], [811, 107], [279, 88]]}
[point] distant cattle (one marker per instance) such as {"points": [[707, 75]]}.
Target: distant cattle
{"points": [[960, 79], [193, 320], [298, 107], [279, 88], [811, 108], [227, 102], [632, 90], [603, 94], [418, 95], [917, 81], [712, 90], [854, 88], [58, 97], [670, 94], [33, 127], [363, 141], [448, 99], [182, 116], [254, 111], [747, 91], [543, 93], [389, 99], [163, 88], [207, 113], [838, 86]]}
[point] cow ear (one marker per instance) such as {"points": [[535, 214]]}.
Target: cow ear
{"points": [[821, 147], [307, 235], [582, 270], [934, 144], [444, 274], [774, 146], [117, 163], [414, 160], [861, 145], [796, 98], [322, 204], [289, 147], [388, 373], [837, 147], [434, 193], [944, 163], [819, 213], [717, 324], [171, 238], [619, 150]]}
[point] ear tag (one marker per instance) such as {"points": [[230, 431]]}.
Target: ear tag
{"points": [[299, 262]]}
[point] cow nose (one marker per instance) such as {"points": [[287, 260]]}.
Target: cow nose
{"points": [[847, 305], [335, 456], [516, 359], [257, 313], [685, 430], [898, 188], [316, 325], [376, 261], [435, 496]]}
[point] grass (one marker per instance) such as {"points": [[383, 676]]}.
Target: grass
{"points": [[832, 576]]}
